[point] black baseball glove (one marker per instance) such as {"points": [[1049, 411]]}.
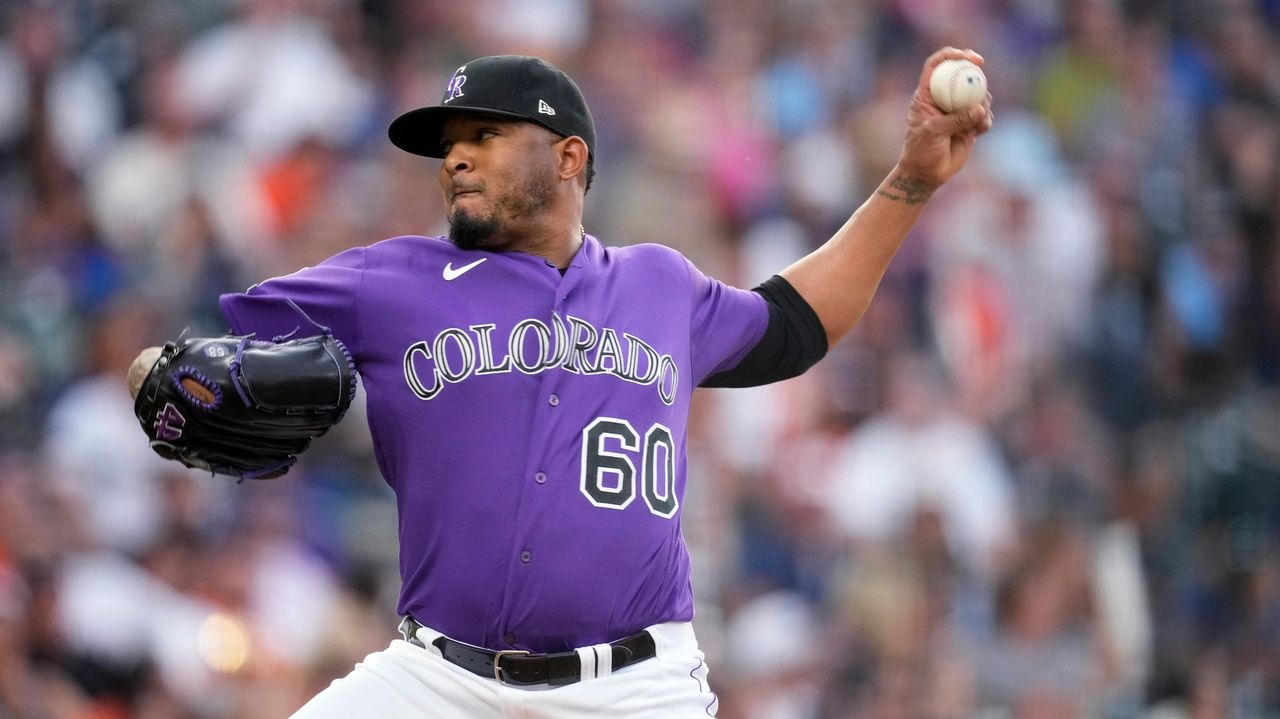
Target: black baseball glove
{"points": [[238, 406]]}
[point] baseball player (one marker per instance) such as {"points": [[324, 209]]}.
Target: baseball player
{"points": [[528, 392]]}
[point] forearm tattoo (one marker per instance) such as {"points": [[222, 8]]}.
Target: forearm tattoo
{"points": [[909, 190]]}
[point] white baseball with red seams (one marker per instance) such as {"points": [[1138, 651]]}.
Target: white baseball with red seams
{"points": [[957, 84]]}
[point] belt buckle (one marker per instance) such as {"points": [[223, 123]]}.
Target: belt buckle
{"points": [[497, 662]]}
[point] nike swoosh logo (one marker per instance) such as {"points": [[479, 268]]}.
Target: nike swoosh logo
{"points": [[452, 274]]}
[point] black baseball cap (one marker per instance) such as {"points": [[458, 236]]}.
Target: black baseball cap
{"points": [[516, 86]]}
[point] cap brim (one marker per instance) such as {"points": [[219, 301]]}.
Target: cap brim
{"points": [[419, 131]]}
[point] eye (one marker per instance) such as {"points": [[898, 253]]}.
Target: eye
{"points": [[486, 133]]}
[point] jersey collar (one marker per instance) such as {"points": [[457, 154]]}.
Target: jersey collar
{"points": [[589, 255]]}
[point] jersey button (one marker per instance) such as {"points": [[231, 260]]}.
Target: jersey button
{"points": [[509, 638], [553, 400], [540, 477], [526, 556]]}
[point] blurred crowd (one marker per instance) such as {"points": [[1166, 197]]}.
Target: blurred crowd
{"points": [[1040, 480]]}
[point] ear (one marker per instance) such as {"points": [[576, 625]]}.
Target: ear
{"points": [[573, 158]]}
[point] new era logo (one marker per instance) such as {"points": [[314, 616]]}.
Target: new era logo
{"points": [[545, 109]]}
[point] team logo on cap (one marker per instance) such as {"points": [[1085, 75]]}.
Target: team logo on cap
{"points": [[455, 84]]}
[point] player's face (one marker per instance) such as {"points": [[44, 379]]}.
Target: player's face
{"points": [[498, 177]]}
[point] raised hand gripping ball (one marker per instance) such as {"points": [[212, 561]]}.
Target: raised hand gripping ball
{"points": [[957, 84]]}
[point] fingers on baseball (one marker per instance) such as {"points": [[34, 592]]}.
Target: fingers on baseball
{"points": [[989, 117], [976, 120], [947, 53]]}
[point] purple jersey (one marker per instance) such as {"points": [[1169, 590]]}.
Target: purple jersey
{"points": [[532, 425]]}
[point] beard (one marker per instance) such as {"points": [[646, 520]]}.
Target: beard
{"points": [[473, 231], [469, 232]]}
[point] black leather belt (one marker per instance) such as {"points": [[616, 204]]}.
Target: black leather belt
{"points": [[526, 668]]}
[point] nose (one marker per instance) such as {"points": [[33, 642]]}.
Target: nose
{"points": [[457, 160]]}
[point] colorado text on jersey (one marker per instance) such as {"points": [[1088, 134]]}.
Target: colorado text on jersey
{"points": [[532, 347]]}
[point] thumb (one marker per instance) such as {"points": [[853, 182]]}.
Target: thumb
{"points": [[959, 122]]}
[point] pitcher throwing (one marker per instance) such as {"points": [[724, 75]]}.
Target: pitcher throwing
{"points": [[528, 396]]}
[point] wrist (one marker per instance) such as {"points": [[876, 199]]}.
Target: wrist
{"points": [[907, 186]]}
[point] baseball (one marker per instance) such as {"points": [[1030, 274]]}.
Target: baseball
{"points": [[957, 84], [140, 368]]}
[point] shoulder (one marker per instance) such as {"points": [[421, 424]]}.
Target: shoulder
{"points": [[650, 251], [409, 245], [651, 257], [409, 252]]}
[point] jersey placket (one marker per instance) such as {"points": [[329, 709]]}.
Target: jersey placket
{"points": [[538, 472]]}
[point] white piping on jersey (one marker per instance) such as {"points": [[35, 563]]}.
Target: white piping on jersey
{"points": [[531, 347]]}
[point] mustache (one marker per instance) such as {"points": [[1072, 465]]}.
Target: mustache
{"points": [[458, 188]]}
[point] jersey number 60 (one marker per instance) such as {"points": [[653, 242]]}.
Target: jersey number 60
{"points": [[609, 477]]}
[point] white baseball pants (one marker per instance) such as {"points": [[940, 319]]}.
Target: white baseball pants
{"points": [[405, 681]]}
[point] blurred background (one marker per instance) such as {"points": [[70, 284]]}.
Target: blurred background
{"points": [[1041, 479]]}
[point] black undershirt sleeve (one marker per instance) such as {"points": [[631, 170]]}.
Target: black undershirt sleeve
{"points": [[793, 342]]}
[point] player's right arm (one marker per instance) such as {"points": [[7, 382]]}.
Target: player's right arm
{"points": [[839, 279], [327, 295], [249, 404], [304, 303]]}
